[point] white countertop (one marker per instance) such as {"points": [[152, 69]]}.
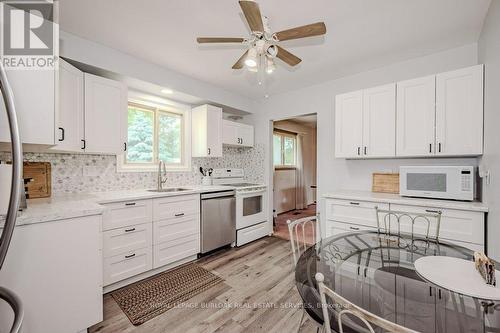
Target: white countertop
{"points": [[397, 199], [60, 207]]}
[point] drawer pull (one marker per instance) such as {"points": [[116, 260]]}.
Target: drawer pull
{"points": [[179, 214], [130, 256], [353, 228], [129, 230], [130, 204], [433, 211], [354, 203]]}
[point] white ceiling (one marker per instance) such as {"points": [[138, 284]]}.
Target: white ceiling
{"points": [[361, 35]]}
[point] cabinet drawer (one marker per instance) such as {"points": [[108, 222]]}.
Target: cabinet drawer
{"points": [[334, 228], [457, 225], [355, 212], [123, 266], [174, 250], [244, 236], [171, 229], [171, 207], [124, 240], [127, 213]]}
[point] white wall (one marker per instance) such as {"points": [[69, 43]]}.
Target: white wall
{"points": [[101, 56], [489, 54], [334, 173]]}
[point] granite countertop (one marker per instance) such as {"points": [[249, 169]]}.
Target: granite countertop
{"points": [[60, 207], [397, 199]]}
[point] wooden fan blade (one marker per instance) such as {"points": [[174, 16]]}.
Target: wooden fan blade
{"points": [[287, 57], [309, 30], [219, 40], [252, 14], [241, 61]]}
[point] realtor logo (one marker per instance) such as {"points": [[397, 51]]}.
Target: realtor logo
{"points": [[28, 34]]}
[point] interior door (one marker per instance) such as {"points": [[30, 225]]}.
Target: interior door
{"points": [[71, 116], [459, 112], [416, 110], [105, 112], [379, 121], [349, 124]]}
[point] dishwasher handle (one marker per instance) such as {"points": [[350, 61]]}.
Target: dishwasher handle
{"points": [[215, 195]]}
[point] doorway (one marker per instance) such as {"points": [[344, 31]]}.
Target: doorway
{"points": [[294, 171]]}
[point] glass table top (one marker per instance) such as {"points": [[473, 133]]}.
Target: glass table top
{"points": [[376, 272]]}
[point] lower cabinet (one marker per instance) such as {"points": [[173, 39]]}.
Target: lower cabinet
{"points": [[147, 234], [56, 270], [461, 227]]}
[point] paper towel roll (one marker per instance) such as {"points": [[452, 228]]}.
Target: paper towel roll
{"points": [[5, 182]]}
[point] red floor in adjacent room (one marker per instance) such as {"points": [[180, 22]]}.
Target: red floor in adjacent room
{"points": [[281, 228]]}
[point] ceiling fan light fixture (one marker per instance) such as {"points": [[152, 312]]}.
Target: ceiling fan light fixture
{"points": [[251, 60], [270, 66]]}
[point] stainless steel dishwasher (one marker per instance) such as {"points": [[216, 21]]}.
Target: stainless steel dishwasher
{"points": [[218, 220]]}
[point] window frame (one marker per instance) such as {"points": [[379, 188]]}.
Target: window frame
{"points": [[283, 135], [184, 113]]}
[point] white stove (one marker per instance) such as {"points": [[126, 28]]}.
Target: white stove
{"points": [[252, 220]]}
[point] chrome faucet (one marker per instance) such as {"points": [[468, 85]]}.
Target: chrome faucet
{"points": [[162, 175]]}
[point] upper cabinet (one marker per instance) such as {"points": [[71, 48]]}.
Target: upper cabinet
{"points": [[206, 131], [34, 100], [416, 117], [365, 123], [438, 115], [459, 112], [105, 115], [92, 113], [349, 124], [237, 134]]}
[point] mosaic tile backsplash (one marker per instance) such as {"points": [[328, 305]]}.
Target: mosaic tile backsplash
{"points": [[67, 170]]}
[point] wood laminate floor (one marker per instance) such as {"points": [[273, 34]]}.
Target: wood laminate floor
{"points": [[258, 295]]}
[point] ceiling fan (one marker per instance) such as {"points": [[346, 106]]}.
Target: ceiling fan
{"points": [[262, 44]]}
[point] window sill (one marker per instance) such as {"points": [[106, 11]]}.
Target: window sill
{"points": [[285, 167], [122, 167]]}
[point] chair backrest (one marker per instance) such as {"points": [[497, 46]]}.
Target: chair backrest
{"points": [[298, 230], [347, 308], [386, 219]]}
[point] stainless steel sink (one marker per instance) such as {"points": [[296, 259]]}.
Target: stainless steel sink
{"points": [[170, 189]]}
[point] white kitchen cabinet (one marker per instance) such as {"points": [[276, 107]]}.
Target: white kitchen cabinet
{"points": [[127, 213], [206, 131], [56, 269], [237, 134], [379, 121], [416, 112], [459, 112], [71, 114], [123, 266], [349, 124], [105, 115], [34, 99]]}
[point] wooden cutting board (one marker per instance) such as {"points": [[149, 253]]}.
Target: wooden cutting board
{"points": [[385, 183], [41, 184]]}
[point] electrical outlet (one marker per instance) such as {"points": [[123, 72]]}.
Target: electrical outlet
{"points": [[90, 171]]}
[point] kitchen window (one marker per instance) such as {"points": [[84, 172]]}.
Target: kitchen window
{"points": [[284, 149], [156, 133]]}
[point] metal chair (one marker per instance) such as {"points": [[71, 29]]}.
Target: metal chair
{"points": [[400, 217], [348, 308], [298, 228]]}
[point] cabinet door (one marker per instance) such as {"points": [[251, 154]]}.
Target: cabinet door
{"points": [[105, 110], [245, 133], [34, 99], [379, 121], [416, 110], [459, 112], [229, 133], [349, 124], [71, 117], [206, 131], [214, 131]]}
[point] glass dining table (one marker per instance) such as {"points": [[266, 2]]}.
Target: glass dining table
{"points": [[376, 272]]}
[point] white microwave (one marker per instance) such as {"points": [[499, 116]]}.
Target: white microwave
{"points": [[438, 182]]}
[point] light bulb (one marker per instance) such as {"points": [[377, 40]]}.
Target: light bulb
{"points": [[251, 60], [270, 66]]}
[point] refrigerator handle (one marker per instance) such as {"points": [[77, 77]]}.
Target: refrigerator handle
{"points": [[15, 189]]}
